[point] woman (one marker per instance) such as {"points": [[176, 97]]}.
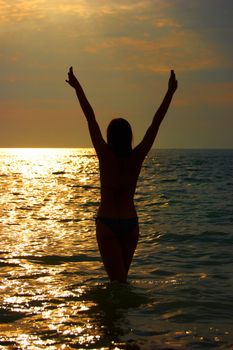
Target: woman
{"points": [[117, 228]]}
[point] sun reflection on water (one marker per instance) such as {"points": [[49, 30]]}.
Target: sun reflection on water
{"points": [[46, 195], [54, 293]]}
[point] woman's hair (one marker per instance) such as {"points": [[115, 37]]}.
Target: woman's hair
{"points": [[119, 137]]}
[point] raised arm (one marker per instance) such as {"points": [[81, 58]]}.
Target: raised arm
{"points": [[88, 111], [148, 140]]}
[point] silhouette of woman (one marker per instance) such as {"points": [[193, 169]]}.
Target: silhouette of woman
{"points": [[117, 227]]}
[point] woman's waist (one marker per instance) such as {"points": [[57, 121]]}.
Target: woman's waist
{"points": [[111, 210]]}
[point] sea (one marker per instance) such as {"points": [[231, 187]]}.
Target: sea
{"points": [[54, 292]]}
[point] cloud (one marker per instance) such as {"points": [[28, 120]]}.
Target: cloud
{"points": [[117, 37], [167, 22], [115, 47], [142, 35], [18, 10], [208, 94], [184, 51], [21, 10]]}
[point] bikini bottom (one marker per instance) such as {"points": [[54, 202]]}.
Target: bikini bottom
{"points": [[120, 227]]}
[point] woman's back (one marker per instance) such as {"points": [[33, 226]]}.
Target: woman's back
{"points": [[118, 179]]}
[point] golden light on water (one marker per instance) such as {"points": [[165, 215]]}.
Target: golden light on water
{"points": [[43, 184], [44, 203], [33, 162], [53, 290]]}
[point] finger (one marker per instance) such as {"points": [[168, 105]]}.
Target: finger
{"points": [[71, 70]]}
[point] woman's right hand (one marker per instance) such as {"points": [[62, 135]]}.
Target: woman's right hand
{"points": [[172, 83], [72, 80]]}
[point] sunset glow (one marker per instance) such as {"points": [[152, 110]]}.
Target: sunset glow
{"points": [[122, 53]]}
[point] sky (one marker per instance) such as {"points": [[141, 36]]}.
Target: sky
{"points": [[122, 53]]}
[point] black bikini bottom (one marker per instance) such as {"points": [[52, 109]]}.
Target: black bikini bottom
{"points": [[120, 227]]}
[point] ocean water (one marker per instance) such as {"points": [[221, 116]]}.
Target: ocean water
{"points": [[54, 293]]}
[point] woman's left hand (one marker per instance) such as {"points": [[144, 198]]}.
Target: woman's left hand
{"points": [[172, 83]]}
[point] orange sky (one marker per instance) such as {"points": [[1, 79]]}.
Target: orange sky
{"points": [[122, 53]]}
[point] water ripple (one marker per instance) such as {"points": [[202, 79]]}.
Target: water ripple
{"points": [[54, 291]]}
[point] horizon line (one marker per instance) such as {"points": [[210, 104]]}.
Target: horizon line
{"points": [[152, 149]]}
